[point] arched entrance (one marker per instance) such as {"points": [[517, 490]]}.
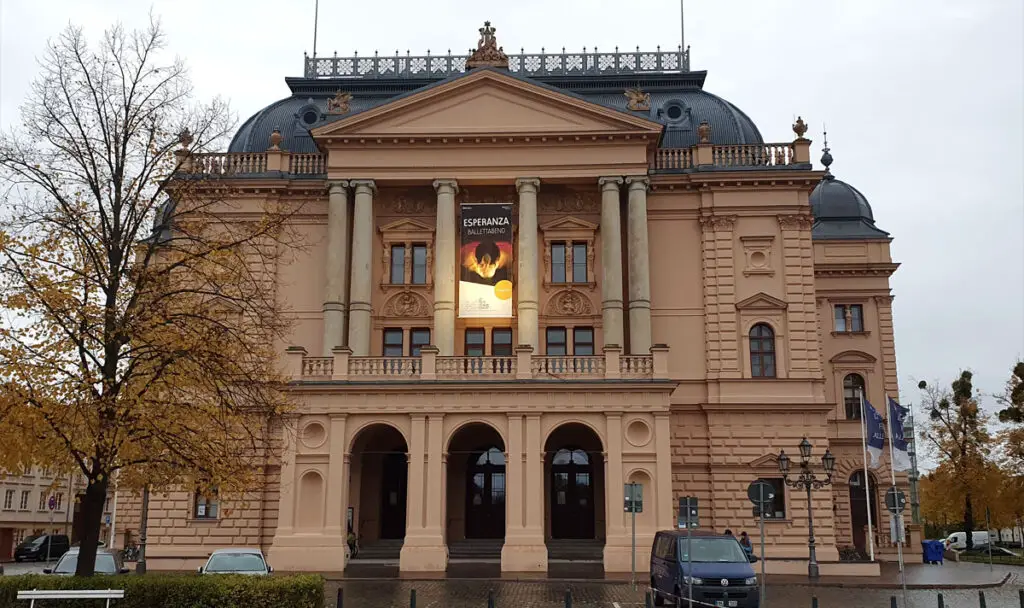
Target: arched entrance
{"points": [[476, 484], [379, 484], [859, 510], [574, 483]]}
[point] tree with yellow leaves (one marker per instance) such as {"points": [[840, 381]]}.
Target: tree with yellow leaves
{"points": [[138, 324]]}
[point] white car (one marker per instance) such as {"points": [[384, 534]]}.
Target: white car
{"points": [[249, 562]]}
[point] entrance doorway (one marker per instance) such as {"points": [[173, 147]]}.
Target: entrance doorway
{"points": [[574, 484], [859, 510], [378, 484], [476, 485]]}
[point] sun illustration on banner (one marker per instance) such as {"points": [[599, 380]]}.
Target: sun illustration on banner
{"points": [[503, 290], [488, 260]]}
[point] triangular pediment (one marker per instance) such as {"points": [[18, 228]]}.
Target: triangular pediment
{"points": [[761, 301], [768, 460], [852, 356], [568, 224], [488, 102], [406, 225]]}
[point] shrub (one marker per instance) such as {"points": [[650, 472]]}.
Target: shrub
{"points": [[175, 591]]}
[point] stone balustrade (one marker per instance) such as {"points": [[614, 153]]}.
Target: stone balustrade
{"points": [[612, 365]]}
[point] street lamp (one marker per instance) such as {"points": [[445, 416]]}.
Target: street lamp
{"points": [[807, 480]]}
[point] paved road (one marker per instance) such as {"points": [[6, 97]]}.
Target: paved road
{"points": [[473, 594], [14, 568]]}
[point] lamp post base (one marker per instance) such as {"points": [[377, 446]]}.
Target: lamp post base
{"points": [[812, 570]]}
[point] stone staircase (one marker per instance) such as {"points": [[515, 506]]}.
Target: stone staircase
{"points": [[582, 551], [380, 551], [478, 550]]}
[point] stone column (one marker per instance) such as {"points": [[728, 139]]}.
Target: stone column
{"points": [[611, 261], [444, 268], [360, 305], [336, 283], [639, 268], [528, 308]]}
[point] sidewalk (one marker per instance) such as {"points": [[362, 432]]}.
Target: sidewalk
{"points": [[950, 575]]}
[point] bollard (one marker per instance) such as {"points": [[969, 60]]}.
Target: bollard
{"points": [[892, 601], [981, 599], [814, 601], [649, 603], [412, 598], [568, 598], [341, 598], [942, 603], [490, 598]]}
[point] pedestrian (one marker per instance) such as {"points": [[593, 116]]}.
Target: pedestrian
{"points": [[746, 544], [728, 532]]}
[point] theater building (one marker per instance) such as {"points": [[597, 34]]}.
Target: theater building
{"points": [[533, 279]]}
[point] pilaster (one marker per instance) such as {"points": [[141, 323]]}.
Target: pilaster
{"points": [[639, 268], [611, 261], [360, 302], [885, 328], [801, 311], [424, 549], [524, 549], [720, 296], [444, 267], [527, 308], [336, 267]]}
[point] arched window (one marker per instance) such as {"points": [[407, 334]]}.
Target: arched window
{"points": [[853, 387], [762, 351]]}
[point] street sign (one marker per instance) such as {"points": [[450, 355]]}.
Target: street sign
{"points": [[52, 503], [634, 502], [895, 500], [689, 516], [761, 493], [106, 520]]}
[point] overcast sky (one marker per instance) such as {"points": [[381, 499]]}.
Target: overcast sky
{"points": [[923, 100]]}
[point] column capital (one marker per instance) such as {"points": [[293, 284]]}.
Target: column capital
{"points": [[363, 185], [637, 182], [609, 183], [336, 185], [527, 182], [446, 183]]}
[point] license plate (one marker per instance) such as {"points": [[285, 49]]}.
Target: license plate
{"points": [[733, 603], [720, 603]]}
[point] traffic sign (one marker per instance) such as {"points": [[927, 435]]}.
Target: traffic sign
{"points": [[895, 500], [760, 492], [634, 498], [689, 516], [52, 503]]}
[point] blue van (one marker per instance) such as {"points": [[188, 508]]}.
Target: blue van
{"points": [[722, 574]]}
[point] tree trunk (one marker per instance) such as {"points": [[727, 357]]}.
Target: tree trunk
{"points": [[968, 521], [92, 515]]}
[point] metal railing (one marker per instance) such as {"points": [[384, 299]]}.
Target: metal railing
{"points": [[566, 63]]}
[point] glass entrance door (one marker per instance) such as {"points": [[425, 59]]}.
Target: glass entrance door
{"points": [[485, 495]]}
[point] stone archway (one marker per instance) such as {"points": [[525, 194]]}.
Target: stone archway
{"points": [[379, 485], [476, 492], [574, 484], [859, 505]]}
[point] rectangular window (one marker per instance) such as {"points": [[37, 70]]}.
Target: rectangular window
{"points": [[42, 501], [60, 501], [475, 342], [558, 262], [206, 504], [777, 510], [8, 500], [419, 264], [393, 346], [418, 338], [397, 264], [555, 341], [579, 262], [856, 317], [840, 311], [583, 341], [23, 505], [501, 342]]}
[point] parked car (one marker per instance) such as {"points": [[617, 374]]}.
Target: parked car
{"points": [[41, 547], [718, 568], [958, 540], [236, 561], [107, 562]]}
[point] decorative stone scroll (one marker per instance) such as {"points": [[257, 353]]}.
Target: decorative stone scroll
{"points": [[406, 304], [716, 223], [795, 222], [569, 303]]}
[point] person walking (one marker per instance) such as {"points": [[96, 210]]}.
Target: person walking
{"points": [[748, 547]]}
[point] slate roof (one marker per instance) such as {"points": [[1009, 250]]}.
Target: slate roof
{"points": [[841, 212]]}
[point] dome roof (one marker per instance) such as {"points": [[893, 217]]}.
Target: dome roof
{"points": [[840, 210], [678, 101]]}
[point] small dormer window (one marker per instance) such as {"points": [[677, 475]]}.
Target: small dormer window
{"points": [[310, 116], [675, 112]]}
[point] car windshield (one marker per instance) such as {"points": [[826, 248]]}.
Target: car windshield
{"points": [[236, 562], [69, 563], [36, 541], [716, 550]]}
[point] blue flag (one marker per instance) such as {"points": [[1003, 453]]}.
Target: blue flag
{"points": [[875, 434], [900, 453]]}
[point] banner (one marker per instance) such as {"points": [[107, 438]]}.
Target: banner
{"points": [[485, 260]]}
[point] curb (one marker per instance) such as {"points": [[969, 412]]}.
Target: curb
{"points": [[913, 586]]}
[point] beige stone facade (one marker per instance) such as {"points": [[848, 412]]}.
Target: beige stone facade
{"points": [[673, 325]]}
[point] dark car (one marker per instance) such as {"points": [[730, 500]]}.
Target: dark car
{"points": [[42, 547], [720, 570], [107, 562]]}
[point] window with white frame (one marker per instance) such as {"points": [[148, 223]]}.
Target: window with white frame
{"points": [[8, 500]]}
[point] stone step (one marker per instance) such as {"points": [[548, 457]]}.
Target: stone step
{"points": [[475, 548], [576, 550], [389, 549]]}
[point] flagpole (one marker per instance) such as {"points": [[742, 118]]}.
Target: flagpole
{"points": [[897, 516], [867, 477], [316, 19]]}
